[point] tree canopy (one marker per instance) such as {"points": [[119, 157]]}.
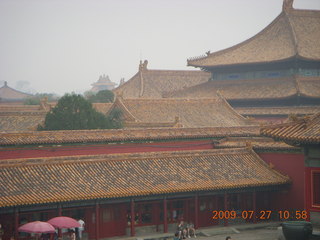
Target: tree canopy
{"points": [[102, 96], [74, 112], [35, 100]]}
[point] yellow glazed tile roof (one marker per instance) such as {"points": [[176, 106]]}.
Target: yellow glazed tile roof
{"points": [[8, 94], [254, 142], [305, 130], [20, 121], [112, 135], [149, 83], [48, 180], [189, 112], [293, 34], [292, 110], [18, 117], [253, 89]]}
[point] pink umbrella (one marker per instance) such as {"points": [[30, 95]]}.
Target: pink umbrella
{"points": [[64, 222], [37, 227]]}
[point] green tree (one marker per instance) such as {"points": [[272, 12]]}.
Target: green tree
{"points": [[74, 112], [102, 96], [35, 100], [115, 118]]}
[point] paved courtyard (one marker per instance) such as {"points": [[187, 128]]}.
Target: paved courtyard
{"points": [[265, 233], [262, 231], [256, 234]]}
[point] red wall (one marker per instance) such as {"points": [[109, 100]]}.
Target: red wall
{"points": [[290, 164], [309, 189], [36, 151]]}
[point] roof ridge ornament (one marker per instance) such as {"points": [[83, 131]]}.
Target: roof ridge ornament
{"points": [[287, 5], [143, 66]]}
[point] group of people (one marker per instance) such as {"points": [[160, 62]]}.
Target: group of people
{"points": [[70, 233], [185, 230], [76, 233]]}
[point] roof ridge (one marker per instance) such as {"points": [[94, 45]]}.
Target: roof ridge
{"points": [[124, 84], [285, 124], [175, 71], [239, 44], [86, 159], [172, 99], [292, 31], [15, 90], [225, 102], [297, 84], [119, 103], [297, 121], [295, 11], [115, 135]]}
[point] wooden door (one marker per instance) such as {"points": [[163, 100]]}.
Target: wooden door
{"points": [[206, 206], [113, 220]]}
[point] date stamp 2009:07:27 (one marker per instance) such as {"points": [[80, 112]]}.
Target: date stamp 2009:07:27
{"points": [[261, 215]]}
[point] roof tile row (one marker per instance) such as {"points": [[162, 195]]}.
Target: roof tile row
{"points": [[34, 181], [305, 130]]}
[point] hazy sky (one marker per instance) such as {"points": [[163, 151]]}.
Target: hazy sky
{"points": [[65, 45]]}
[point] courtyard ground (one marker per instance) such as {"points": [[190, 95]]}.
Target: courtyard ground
{"points": [[262, 231]]}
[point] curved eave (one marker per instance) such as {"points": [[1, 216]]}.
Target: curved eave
{"points": [[193, 61], [294, 141], [123, 194], [281, 135], [309, 96], [287, 59], [285, 20], [263, 99]]}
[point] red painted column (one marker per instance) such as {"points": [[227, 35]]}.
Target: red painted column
{"points": [[97, 220], [59, 210], [155, 214], [226, 223], [307, 191], [16, 223], [165, 217], [254, 201], [132, 218], [187, 210], [196, 211]]}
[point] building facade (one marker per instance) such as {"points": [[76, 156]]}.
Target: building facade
{"points": [[132, 191]]}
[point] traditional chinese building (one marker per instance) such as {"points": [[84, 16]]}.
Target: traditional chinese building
{"points": [[104, 83], [19, 117], [137, 113], [176, 158], [278, 67], [304, 133], [144, 180], [150, 83], [8, 94], [142, 113]]}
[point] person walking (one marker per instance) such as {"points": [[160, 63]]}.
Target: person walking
{"points": [[81, 228]]}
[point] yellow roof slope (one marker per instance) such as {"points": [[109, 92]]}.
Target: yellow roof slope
{"points": [[293, 34], [36, 181]]}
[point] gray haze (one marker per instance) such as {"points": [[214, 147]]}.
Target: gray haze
{"points": [[65, 45]]}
